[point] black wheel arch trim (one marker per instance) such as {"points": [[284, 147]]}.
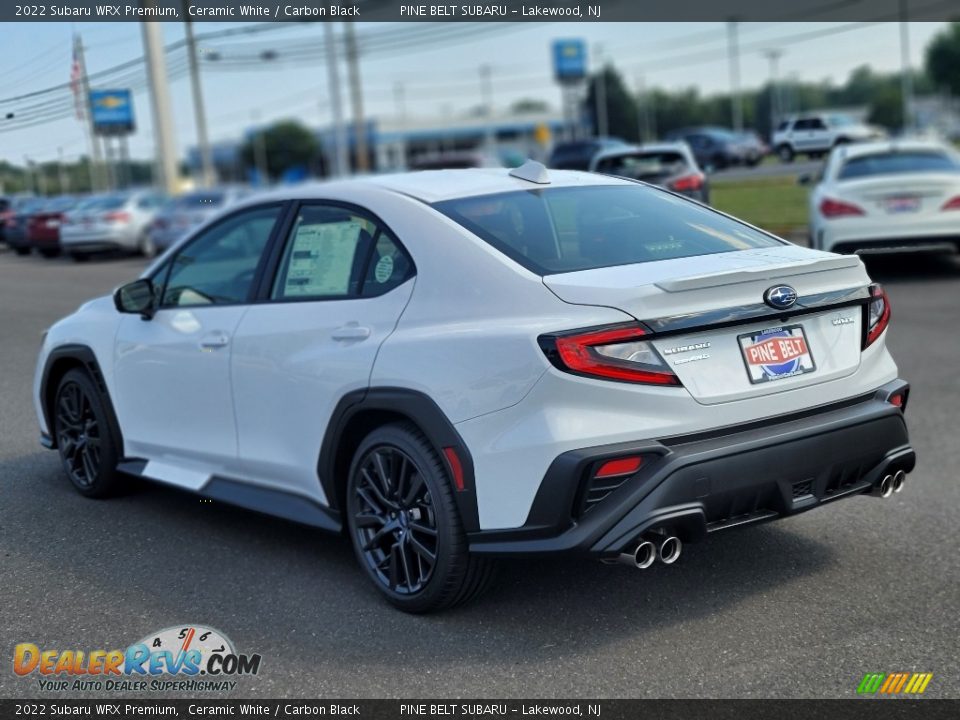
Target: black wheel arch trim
{"points": [[83, 356], [420, 409]]}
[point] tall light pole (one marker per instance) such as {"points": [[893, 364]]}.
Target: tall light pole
{"points": [[166, 161], [774, 56], [260, 149], [356, 97], [733, 55], [340, 160], [486, 100], [207, 174], [906, 75], [96, 155], [600, 95]]}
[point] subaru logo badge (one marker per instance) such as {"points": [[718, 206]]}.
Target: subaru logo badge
{"points": [[780, 297]]}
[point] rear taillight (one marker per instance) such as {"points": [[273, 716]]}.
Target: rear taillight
{"points": [[693, 181], [831, 208], [117, 217], [878, 314], [614, 352], [952, 204]]}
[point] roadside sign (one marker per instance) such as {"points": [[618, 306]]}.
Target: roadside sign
{"points": [[570, 59], [112, 112]]}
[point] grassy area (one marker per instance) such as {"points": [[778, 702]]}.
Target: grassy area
{"points": [[775, 204]]}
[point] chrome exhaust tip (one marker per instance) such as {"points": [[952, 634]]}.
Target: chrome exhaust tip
{"points": [[886, 486], [642, 556], [670, 549], [899, 478]]}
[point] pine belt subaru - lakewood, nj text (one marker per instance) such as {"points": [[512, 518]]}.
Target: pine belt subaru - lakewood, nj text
{"points": [[456, 365]]}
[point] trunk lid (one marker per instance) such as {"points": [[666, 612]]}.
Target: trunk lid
{"points": [[895, 194], [740, 359]]}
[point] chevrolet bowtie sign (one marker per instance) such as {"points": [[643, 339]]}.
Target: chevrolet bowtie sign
{"points": [[112, 111]]}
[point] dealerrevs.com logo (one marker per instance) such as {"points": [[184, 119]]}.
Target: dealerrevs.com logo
{"points": [[186, 658]]}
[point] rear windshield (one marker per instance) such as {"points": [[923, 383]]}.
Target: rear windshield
{"points": [[897, 162], [110, 202], [641, 165], [557, 230]]}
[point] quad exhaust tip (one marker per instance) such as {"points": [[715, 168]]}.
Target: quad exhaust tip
{"points": [[642, 556], [670, 549], [899, 478]]}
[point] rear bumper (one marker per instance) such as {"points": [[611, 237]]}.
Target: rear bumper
{"points": [[712, 481]]}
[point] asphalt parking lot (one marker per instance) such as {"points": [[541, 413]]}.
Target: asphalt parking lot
{"points": [[799, 608]]}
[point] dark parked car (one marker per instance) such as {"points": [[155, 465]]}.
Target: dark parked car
{"points": [[669, 165], [577, 154], [715, 148], [43, 226], [15, 223], [5, 205]]}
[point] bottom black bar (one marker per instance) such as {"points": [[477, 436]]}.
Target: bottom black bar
{"points": [[861, 708]]}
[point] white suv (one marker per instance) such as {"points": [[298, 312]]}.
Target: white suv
{"points": [[816, 134], [455, 365]]}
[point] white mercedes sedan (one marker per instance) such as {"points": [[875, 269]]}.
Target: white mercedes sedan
{"points": [[890, 196]]}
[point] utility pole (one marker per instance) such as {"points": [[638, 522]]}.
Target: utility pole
{"points": [[166, 162], [61, 173], [733, 54], [96, 162], [486, 100], [356, 97], [207, 173], [641, 105], [600, 95], [260, 149], [28, 165], [906, 75], [340, 160], [773, 56]]}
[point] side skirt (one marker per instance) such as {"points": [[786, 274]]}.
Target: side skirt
{"points": [[268, 501]]}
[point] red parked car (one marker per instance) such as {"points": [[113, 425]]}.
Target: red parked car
{"points": [[43, 227]]}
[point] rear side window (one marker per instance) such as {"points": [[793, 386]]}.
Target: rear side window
{"points": [[335, 252], [639, 166], [557, 230], [897, 162]]}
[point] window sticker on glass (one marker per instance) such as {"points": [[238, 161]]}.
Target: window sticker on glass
{"points": [[322, 259]]}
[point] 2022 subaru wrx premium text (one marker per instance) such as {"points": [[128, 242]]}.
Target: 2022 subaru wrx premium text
{"points": [[452, 366]]}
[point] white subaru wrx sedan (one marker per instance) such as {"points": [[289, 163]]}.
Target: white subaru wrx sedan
{"points": [[453, 366]]}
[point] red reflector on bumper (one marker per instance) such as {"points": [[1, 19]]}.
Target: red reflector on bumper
{"points": [[455, 467], [620, 466]]}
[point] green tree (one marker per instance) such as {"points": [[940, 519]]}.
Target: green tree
{"points": [[886, 109], [288, 144], [943, 59], [621, 105], [529, 106]]}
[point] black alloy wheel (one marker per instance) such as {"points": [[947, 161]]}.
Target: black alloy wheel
{"points": [[85, 437], [395, 521], [404, 523]]}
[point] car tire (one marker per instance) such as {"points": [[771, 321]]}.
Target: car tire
{"points": [[80, 257], [147, 247], [785, 153], [50, 254], [403, 522], [86, 436], [22, 250]]}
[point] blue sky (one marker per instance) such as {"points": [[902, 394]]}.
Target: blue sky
{"points": [[441, 80]]}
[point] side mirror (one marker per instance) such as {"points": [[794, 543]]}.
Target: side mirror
{"points": [[136, 298], [805, 179]]}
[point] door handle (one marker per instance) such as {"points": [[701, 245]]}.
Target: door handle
{"points": [[213, 340], [351, 331]]}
